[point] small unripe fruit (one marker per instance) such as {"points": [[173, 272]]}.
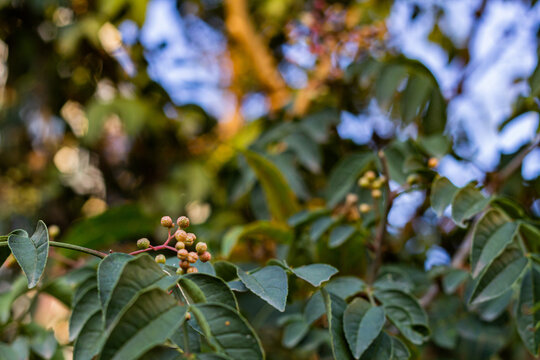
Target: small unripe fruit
{"points": [[54, 231], [364, 182], [182, 254], [376, 194], [180, 245], [412, 179], [193, 257], [364, 208], [179, 271], [183, 222], [370, 175], [166, 221], [184, 264], [206, 256], [187, 316], [190, 239], [201, 247], [192, 270], [432, 162], [180, 235], [143, 243], [160, 259]]}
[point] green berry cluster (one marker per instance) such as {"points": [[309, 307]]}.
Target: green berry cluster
{"points": [[370, 181]]}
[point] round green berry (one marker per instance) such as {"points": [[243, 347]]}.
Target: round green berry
{"points": [[180, 235], [180, 245], [190, 239], [143, 243], [183, 222], [179, 271], [201, 247], [166, 221], [160, 259]]}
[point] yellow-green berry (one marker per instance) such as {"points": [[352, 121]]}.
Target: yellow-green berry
{"points": [[364, 208], [54, 231], [370, 175], [376, 193], [179, 271], [190, 239], [192, 257], [182, 254], [180, 235], [180, 245], [432, 162], [166, 221], [143, 243], [160, 259], [412, 179], [364, 182], [187, 316], [183, 222], [201, 247], [206, 256]]}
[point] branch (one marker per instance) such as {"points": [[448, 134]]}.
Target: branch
{"points": [[82, 249]]}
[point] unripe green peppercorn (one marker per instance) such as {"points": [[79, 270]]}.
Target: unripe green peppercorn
{"points": [[370, 175], [180, 245], [183, 222], [179, 271], [187, 316], [206, 256], [190, 239], [376, 193], [143, 243], [180, 235], [54, 231], [160, 259], [364, 208], [364, 182], [201, 247], [166, 221], [413, 179], [182, 254]]}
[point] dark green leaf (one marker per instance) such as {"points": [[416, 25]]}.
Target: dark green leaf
{"points": [[17, 288], [206, 288], [340, 234], [335, 307], [362, 324], [319, 227], [499, 276], [453, 279], [87, 344], [526, 317], [227, 331], [491, 236], [83, 309], [315, 274], [344, 176], [442, 193], [399, 350], [380, 349], [467, 202], [294, 332], [269, 283], [31, 253]]}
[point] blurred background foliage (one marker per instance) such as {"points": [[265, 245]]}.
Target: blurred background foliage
{"points": [[254, 119]]}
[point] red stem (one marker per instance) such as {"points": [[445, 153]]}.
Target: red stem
{"points": [[157, 248]]}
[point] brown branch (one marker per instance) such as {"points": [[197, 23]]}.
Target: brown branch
{"points": [[242, 30], [380, 234]]}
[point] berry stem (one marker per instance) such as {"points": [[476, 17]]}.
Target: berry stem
{"points": [[156, 248]]}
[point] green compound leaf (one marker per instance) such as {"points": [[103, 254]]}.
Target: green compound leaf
{"points": [[227, 331], [31, 253], [315, 274], [340, 234], [499, 276], [148, 322], [405, 313], [467, 202], [84, 309], [526, 316], [442, 193], [270, 284], [380, 349], [491, 236], [362, 324], [203, 288], [87, 344], [335, 307]]}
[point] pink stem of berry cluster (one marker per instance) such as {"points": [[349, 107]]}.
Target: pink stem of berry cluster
{"points": [[165, 245]]}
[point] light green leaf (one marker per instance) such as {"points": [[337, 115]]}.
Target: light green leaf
{"points": [[149, 321], [362, 324], [491, 236], [344, 175], [335, 307], [340, 234], [279, 196], [499, 276], [467, 202], [307, 151], [319, 227], [109, 270], [453, 279], [294, 332], [7, 352], [380, 349], [206, 288], [442, 193], [31, 253], [315, 274], [305, 216], [405, 313], [17, 288], [526, 318], [83, 309], [399, 350], [269, 283], [227, 331], [414, 97], [44, 344]]}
